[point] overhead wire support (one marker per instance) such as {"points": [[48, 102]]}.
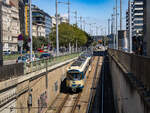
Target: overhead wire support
{"points": [[69, 11], [31, 46], [76, 18], [109, 26], [130, 27], [57, 37], [120, 14], [80, 22], [116, 24]]}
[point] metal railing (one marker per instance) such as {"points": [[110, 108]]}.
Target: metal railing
{"points": [[41, 64]]}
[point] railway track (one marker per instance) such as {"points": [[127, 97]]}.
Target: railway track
{"points": [[62, 104], [75, 103], [69, 103]]}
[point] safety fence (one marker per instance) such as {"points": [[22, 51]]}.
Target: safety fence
{"points": [[14, 70]]}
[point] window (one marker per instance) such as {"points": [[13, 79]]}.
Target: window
{"points": [[73, 75], [56, 86]]}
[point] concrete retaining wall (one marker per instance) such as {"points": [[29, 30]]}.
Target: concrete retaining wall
{"points": [[126, 96], [43, 86]]}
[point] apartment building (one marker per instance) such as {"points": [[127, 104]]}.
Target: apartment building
{"points": [[128, 23], [10, 25], [147, 27], [61, 19], [41, 22], [128, 19], [138, 17], [38, 30]]}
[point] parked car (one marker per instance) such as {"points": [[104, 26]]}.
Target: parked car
{"points": [[22, 59], [33, 57], [7, 52], [46, 56]]}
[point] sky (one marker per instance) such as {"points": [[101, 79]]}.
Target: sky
{"points": [[92, 11]]}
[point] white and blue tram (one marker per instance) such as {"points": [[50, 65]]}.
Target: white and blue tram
{"points": [[76, 73]]}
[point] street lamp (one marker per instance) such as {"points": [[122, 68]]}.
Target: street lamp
{"points": [[57, 36], [30, 5]]}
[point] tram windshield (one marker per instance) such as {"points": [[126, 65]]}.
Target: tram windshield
{"points": [[74, 76]]}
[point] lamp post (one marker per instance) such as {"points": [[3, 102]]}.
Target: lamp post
{"points": [[57, 38], [57, 33], [130, 28], [116, 24], [30, 5]]}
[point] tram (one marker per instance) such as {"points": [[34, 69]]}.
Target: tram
{"points": [[76, 73]]}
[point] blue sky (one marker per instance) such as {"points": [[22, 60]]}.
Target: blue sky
{"points": [[92, 11]]}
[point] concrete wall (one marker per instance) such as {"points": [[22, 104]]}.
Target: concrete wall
{"points": [[45, 88], [42, 85], [126, 96]]}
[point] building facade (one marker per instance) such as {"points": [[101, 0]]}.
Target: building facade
{"points": [[21, 6], [147, 27], [61, 19], [10, 25], [128, 23], [41, 21], [128, 19], [137, 13], [138, 17]]}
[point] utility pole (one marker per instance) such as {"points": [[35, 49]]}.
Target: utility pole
{"points": [[30, 5], [90, 29], [130, 23], [108, 26], [81, 22], [75, 17], [57, 38], [120, 14], [97, 30], [112, 16], [113, 28], [69, 11], [116, 24], [84, 25]]}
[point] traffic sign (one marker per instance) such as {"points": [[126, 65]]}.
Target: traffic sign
{"points": [[20, 37]]}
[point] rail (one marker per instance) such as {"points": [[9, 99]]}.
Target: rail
{"points": [[91, 99], [75, 103]]}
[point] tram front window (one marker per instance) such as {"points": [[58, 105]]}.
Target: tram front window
{"points": [[76, 76]]}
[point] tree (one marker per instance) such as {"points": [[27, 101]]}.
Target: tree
{"points": [[36, 41], [69, 34]]}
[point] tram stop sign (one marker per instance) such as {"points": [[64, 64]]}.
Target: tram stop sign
{"points": [[20, 40]]}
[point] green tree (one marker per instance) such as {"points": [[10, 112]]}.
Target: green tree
{"points": [[69, 34]]}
